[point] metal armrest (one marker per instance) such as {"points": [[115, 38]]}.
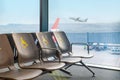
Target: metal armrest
{"points": [[58, 53], [82, 44]]}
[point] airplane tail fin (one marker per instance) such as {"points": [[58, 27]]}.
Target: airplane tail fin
{"points": [[55, 28], [55, 25]]}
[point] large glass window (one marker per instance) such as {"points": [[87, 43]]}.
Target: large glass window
{"points": [[92, 21], [19, 16]]}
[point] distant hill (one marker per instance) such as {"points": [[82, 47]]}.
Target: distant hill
{"points": [[93, 27], [9, 28]]}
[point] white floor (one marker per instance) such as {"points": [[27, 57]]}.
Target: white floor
{"points": [[101, 58]]}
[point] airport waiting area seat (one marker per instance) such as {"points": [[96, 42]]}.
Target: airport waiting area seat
{"points": [[12, 72], [46, 42], [66, 47], [31, 57]]}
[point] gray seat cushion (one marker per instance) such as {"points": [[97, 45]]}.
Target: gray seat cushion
{"points": [[21, 74], [69, 59], [46, 66]]}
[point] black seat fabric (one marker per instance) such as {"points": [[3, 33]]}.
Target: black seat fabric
{"points": [[29, 52], [7, 61]]}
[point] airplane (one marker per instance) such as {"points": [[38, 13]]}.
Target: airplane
{"points": [[78, 19]]}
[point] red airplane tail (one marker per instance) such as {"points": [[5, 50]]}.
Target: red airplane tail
{"points": [[55, 25]]}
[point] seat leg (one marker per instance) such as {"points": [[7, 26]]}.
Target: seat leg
{"points": [[87, 68], [69, 66], [44, 72], [66, 72]]}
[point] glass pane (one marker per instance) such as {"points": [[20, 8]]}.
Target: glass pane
{"points": [[19, 16], [94, 22]]}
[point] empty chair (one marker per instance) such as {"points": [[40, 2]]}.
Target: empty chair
{"points": [[29, 56], [65, 47], [7, 63], [46, 42]]}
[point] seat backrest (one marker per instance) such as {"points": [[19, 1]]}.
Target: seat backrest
{"points": [[62, 41], [46, 41], [27, 50], [6, 53]]}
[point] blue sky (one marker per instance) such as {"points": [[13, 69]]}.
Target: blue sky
{"points": [[19, 11], [27, 11], [97, 11]]}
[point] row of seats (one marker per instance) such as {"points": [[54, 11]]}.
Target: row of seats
{"points": [[36, 60]]}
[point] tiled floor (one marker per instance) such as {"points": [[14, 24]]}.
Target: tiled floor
{"points": [[103, 58], [81, 73]]}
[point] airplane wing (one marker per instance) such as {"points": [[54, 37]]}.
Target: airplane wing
{"points": [[72, 18], [84, 20]]}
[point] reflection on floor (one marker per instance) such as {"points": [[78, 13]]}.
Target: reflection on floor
{"points": [[80, 73], [104, 58]]}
